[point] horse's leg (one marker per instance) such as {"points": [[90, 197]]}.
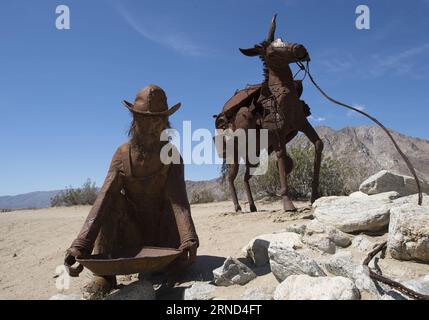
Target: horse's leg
{"points": [[232, 174], [284, 167], [247, 177], [312, 135]]}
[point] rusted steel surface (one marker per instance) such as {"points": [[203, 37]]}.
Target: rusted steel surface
{"points": [[241, 98], [143, 202], [392, 283], [149, 259], [273, 105]]}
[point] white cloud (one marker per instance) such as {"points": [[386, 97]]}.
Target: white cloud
{"points": [[338, 64], [402, 62], [352, 113], [317, 119], [153, 30], [405, 62]]}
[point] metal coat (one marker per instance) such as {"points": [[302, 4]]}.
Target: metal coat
{"points": [[141, 203]]}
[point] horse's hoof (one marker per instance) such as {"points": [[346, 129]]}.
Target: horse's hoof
{"points": [[313, 199], [238, 209], [288, 206], [253, 208]]}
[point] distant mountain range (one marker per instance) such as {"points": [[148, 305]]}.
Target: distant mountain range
{"points": [[32, 200], [366, 149]]}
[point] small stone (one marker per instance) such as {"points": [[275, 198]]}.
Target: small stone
{"points": [[320, 242], [338, 237], [257, 248], [363, 244], [285, 261], [200, 291], [297, 228], [139, 290], [233, 272]]}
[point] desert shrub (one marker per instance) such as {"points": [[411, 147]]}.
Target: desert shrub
{"points": [[333, 175], [268, 184], [5, 210], [336, 178], [202, 196], [85, 195]]}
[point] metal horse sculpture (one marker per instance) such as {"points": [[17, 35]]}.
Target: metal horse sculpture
{"points": [[274, 105]]}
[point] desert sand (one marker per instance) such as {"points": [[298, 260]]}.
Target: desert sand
{"points": [[33, 243]]}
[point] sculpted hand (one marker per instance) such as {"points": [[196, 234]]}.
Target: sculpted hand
{"points": [[189, 249], [70, 259]]}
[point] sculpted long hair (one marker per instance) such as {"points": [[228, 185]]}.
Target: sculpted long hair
{"points": [[132, 129], [137, 142]]}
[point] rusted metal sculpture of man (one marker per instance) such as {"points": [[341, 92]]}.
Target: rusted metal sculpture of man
{"points": [[274, 105], [143, 202]]}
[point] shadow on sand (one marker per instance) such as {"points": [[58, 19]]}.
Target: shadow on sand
{"points": [[202, 271]]}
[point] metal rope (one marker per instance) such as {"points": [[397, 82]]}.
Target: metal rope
{"points": [[404, 157], [394, 284]]}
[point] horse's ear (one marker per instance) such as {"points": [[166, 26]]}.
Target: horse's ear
{"points": [[272, 31], [252, 52]]}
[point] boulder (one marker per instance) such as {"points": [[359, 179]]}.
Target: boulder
{"points": [[338, 237], [363, 244], [322, 237], [285, 261], [420, 285], [356, 214], [233, 272], [304, 287], [199, 291], [320, 242], [409, 232], [257, 294], [342, 264], [399, 269], [411, 199], [296, 228], [257, 248], [385, 181], [358, 194]]}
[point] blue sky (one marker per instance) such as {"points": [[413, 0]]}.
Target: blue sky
{"points": [[61, 91]]}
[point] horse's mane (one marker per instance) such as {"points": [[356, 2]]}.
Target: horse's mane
{"points": [[265, 69]]}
